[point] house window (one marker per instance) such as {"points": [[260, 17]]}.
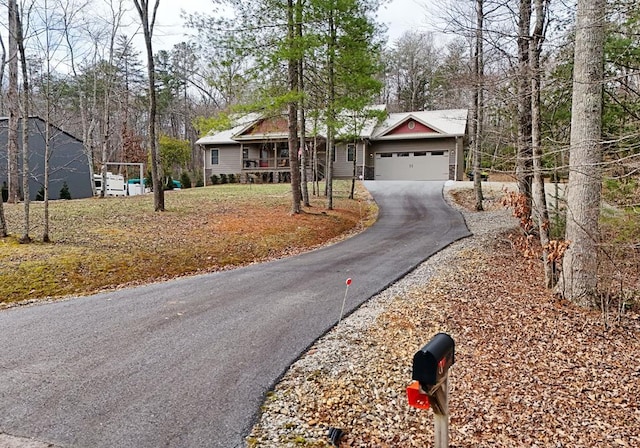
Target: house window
{"points": [[215, 156], [437, 153], [403, 154], [351, 152], [411, 125], [420, 154], [335, 154], [284, 152]]}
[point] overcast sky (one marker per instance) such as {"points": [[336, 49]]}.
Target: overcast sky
{"points": [[398, 15]]}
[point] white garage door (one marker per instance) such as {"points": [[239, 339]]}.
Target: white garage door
{"points": [[412, 165]]}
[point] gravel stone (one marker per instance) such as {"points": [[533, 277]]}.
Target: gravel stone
{"points": [[286, 420]]}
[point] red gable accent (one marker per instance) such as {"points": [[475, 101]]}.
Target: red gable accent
{"points": [[404, 128], [277, 125]]}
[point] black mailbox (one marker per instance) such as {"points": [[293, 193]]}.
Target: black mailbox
{"points": [[432, 362]]}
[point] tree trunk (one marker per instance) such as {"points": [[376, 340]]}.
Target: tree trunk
{"points": [[540, 211], [301, 113], [148, 24], [3, 64], [47, 156], [579, 280], [478, 68], [331, 112], [25, 238], [3, 221], [292, 75], [13, 106], [524, 172]]}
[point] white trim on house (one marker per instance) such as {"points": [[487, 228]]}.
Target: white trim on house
{"points": [[446, 123], [448, 131]]}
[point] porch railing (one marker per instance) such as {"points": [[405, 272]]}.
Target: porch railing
{"points": [[266, 164]]}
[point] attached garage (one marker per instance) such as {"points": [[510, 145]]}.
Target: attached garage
{"points": [[412, 165], [419, 146]]}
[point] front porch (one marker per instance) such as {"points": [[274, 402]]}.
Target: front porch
{"points": [[268, 161]]}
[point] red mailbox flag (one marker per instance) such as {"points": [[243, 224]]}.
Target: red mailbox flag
{"points": [[348, 281], [416, 398]]}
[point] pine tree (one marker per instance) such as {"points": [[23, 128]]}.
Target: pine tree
{"points": [[64, 191]]}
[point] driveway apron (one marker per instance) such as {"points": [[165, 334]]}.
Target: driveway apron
{"points": [[187, 363]]}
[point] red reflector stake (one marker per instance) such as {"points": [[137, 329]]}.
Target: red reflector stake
{"points": [[416, 398]]}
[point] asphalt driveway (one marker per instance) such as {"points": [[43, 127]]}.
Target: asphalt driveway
{"points": [[187, 363]]}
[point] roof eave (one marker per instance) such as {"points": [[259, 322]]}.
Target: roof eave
{"points": [[415, 136]]}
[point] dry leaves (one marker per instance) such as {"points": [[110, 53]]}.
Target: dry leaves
{"points": [[530, 371], [111, 242]]}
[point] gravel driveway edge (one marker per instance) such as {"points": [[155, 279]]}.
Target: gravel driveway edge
{"points": [[283, 422]]}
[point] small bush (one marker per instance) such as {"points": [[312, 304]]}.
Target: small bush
{"points": [[199, 180], [185, 180], [232, 178], [215, 180], [40, 194], [224, 179], [64, 192], [168, 184], [149, 180]]}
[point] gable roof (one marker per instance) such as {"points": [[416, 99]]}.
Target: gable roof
{"points": [[444, 123], [36, 118], [226, 137], [435, 124], [369, 125]]}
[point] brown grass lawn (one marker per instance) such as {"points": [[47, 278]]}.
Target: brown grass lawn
{"points": [[107, 243]]}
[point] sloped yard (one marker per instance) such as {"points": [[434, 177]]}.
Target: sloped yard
{"points": [[113, 242], [530, 371]]}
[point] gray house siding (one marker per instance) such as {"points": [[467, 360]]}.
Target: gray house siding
{"points": [[433, 139], [68, 162], [342, 166], [229, 160]]}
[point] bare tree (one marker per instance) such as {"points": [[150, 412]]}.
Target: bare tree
{"points": [[3, 222], [24, 109], [148, 23], [524, 172], [107, 128], [540, 211], [87, 103], [579, 279], [478, 105], [3, 63], [412, 65], [13, 105]]}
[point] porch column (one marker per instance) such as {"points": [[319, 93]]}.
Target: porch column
{"points": [[204, 166]]}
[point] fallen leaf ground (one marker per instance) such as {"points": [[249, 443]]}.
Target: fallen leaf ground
{"points": [[111, 242], [530, 371]]}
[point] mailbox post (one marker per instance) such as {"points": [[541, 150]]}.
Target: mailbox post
{"points": [[431, 383]]}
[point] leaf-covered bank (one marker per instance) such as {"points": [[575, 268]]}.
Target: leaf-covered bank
{"points": [[530, 371]]}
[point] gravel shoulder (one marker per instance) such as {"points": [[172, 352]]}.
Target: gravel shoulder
{"points": [[530, 370]]}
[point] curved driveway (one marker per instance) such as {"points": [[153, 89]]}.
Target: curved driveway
{"points": [[186, 363]]}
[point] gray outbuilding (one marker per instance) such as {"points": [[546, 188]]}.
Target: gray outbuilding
{"points": [[67, 163]]}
